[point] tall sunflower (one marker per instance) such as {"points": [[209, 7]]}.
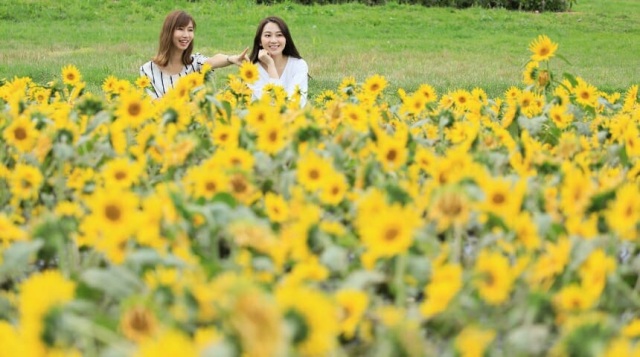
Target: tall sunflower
{"points": [[543, 48], [71, 75]]}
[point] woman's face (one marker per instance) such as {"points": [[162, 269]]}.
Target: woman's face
{"points": [[273, 39], [182, 36]]}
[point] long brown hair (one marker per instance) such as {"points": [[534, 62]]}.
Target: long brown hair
{"points": [[175, 19], [289, 48]]}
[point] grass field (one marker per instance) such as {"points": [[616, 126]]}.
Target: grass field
{"points": [[409, 45]]}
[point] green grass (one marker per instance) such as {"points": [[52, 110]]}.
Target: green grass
{"points": [[409, 45]]}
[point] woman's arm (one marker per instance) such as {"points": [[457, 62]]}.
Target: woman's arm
{"points": [[220, 60]]}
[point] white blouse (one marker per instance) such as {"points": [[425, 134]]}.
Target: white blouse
{"points": [[161, 82], [295, 74]]}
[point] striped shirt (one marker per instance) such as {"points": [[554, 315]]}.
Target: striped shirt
{"points": [[161, 82]]}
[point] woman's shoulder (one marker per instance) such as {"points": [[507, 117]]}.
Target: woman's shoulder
{"points": [[147, 66], [199, 58]]}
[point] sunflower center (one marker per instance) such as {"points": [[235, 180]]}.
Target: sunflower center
{"points": [[451, 206], [391, 155], [134, 109], [273, 136], [629, 211], [20, 133], [391, 234], [112, 212], [544, 51], [498, 198], [375, 87], [238, 185], [120, 175], [584, 95], [140, 322], [224, 137], [335, 190], [26, 184], [490, 279], [210, 186], [314, 174]]}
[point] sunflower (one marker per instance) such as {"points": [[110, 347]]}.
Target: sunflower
{"points": [[114, 213], [495, 278], [374, 85], [558, 114], [543, 48], [10, 232], [232, 158], [134, 108], [71, 75], [353, 304], [313, 171], [226, 135], [473, 341], [138, 323], [276, 207], [171, 342], [446, 282], [272, 137], [249, 72], [207, 183], [347, 86], [25, 182], [413, 104], [355, 116], [314, 319], [623, 213], [143, 82], [389, 233], [334, 189], [21, 133], [461, 98], [326, 96], [573, 298], [428, 93], [586, 94], [392, 152], [450, 207], [109, 84], [529, 73], [121, 173], [502, 197], [259, 114]]}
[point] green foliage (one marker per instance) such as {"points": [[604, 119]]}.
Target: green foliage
{"points": [[520, 5]]}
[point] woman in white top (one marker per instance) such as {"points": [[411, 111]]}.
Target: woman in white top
{"points": [[175, 59], [278, 59]]}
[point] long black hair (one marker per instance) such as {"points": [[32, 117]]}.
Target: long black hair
{"points": [[289, 48]]}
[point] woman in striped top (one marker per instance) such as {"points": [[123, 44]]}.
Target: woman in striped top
{"points": [[175, 58]]}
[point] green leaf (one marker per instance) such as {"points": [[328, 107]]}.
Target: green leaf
{"points": [[564, 59], [117, 282], [570, 78], [17, 259], [226, 198], [600, 201]]}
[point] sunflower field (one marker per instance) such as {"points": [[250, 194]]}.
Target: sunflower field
{"points": [[365, 224]]}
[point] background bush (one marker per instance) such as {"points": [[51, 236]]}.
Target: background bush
{"points": [[521, 5]]}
